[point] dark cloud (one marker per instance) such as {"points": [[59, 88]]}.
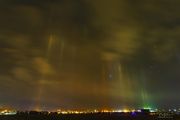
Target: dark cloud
{"points": [[88, 54]]}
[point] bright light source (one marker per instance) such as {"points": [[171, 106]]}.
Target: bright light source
{"points": [[126, 110]]}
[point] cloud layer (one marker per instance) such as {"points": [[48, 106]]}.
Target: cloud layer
{"points": [[88, 54]]}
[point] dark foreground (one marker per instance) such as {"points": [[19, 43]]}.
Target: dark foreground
{"points": [[95, 116]]}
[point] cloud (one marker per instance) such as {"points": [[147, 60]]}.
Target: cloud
{"points": [[42, 66], [22, 74], [90, 40]]}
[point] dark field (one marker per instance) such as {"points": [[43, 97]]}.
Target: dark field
{"points": [[96, 116]]}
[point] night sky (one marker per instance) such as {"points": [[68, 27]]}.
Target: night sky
{"points": [[87, 54]]}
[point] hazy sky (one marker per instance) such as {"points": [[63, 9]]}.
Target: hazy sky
{"points": [[87, 54]]}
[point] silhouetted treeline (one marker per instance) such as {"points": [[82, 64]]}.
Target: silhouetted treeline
{"points": [[33, 115]]}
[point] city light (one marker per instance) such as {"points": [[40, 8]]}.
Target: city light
{"points": [[8, 112], [126, 110]]}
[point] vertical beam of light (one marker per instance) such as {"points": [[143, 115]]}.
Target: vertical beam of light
{"points": [[50, 45], [104, 84], [122, 86], [38, 106], [146, 100], [143, 93], [125, 83], [40, 85], [53, 41], [120, 77], [144, 97], [62, 46], [62, 49]]}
